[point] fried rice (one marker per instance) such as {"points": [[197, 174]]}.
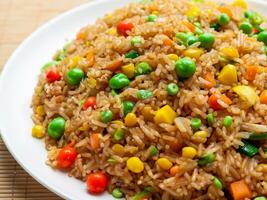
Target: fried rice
{"points": [[100, 51]]}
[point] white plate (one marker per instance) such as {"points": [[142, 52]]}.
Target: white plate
{"points": [[17, 83]]}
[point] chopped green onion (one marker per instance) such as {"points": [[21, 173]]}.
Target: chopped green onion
{"points": [[258, 136], [217, 183], [50, 64], [248, 149], [117, 193], [144, 94], [136, 40], [118, 134], [132, 55], [206, 159], [153, 150], [140, 195], [215, 26], [112, 160], [152, 18]]}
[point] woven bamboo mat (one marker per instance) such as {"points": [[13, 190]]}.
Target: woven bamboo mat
{"points": [[18, 18]]}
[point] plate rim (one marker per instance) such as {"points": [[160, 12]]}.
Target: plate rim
{"points": [[6, 67]]}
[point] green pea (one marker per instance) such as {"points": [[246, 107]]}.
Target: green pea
{"points": [[206, 159], [246, 27], [192, 40], [196, 123], [227, 121], [142, 68], [143, 94], [151, 18], [248, 14], [183, 37], [127, 107], [56, 128], [262, 37], [119, 81], [106, 116], [217, 183], [118, 134], [185, 68], [223, 19], [206, 40], [260, 198], [136, 40], [117, 193], [256, 19], [50, 64], [153, 151], [74, 76], [132, 55], [210, 119], [172, 89], [215, 26]]}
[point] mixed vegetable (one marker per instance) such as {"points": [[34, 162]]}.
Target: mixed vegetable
{"points": [[185, 68]]}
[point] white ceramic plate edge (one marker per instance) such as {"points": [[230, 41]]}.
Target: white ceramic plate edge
{"points": [[259, 5]]}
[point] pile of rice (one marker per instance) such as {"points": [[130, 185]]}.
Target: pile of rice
{"points": [[107, 45]]}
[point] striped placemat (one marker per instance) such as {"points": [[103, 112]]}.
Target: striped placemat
{"points": [[18, 18]]}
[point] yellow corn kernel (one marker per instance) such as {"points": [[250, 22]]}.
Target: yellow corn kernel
{"points": [[240, 3], [165, 115], [193, 52], [193, 12], [132, 149], [262, 168], [173, 57], [84, 128], [147, 112], [155, 12], [228, 75], [164, 163], [112, 31], [109, 16], [92, 82], [246, 93], [118, 122], [202, 134], [74, 61], [189, 152], [118, 149], [230, 52], [128, 70], [38, 131], [40, 110], [135, 165], [87, 43], [130, 119]]}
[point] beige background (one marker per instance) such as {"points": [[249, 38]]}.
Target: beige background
{"points": [[19, 18]]}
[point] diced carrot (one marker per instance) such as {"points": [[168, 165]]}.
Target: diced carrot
{"points": [[95, 140], [168, 42], [240, 190], [263, 97], [213, 101], [90, 59], [226, 10], [81, 35], [190, 26], [226, 99], [251, 72], [210, 79], [174, 170], [114, 66]]}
